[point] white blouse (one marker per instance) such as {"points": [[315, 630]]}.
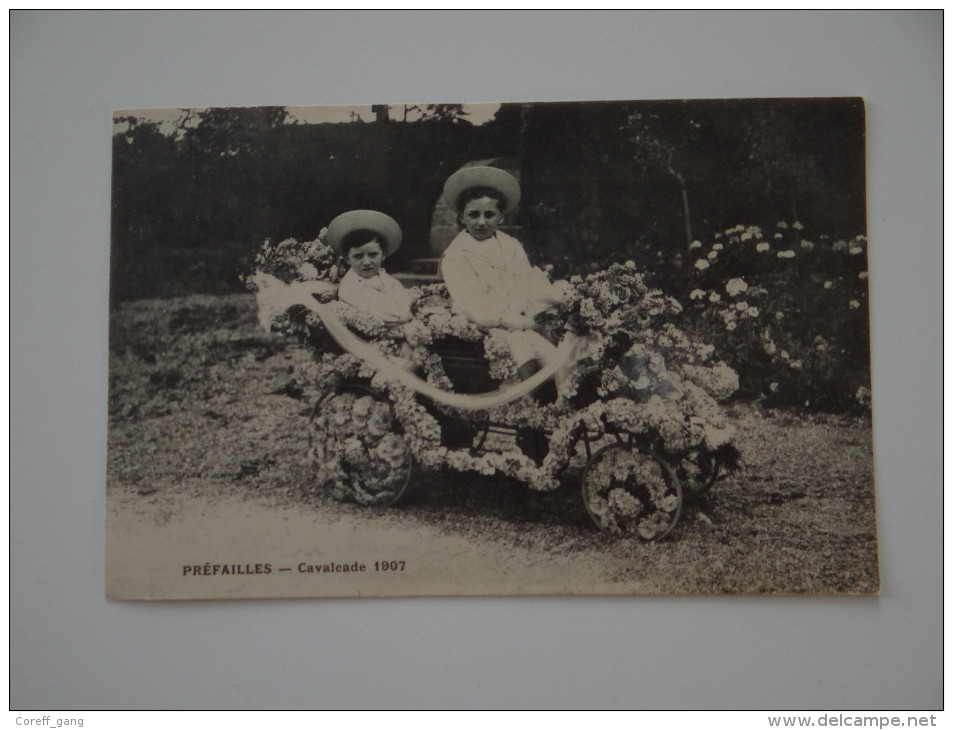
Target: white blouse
{"points": [[493, 278], [380, 294]]}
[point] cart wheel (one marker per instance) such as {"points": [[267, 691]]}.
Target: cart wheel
{"points": [[698, 471], [628, 492], [359, 447]]}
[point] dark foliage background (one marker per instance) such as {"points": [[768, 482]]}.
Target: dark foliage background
{"points": [[601, 180], [658, 182]]}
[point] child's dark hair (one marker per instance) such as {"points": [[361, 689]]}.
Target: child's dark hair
{"points": [[480, 192], [356, 239]]}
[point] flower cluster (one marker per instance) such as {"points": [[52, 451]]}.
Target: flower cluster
{"points": [[788, 313], [612, 501], [356, 449], [292, 260], [369, 325], [614, 299]]}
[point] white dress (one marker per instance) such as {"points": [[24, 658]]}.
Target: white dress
{"points": [[491, 281]]}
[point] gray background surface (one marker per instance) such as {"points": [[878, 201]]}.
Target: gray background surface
{"points": [[71, 649]]}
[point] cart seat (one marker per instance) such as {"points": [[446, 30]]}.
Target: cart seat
{"points": [[465, 365]]}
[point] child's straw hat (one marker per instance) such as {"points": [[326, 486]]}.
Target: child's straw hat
{"points": [[482, 177], [364, 220]]}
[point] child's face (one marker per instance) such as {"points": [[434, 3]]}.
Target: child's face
{"points": [[366, 260], [481, 217]]}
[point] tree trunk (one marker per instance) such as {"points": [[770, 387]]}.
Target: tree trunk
{"points": [[686, 209], [688, 215]]}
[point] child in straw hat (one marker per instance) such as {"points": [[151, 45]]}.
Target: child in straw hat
{"points": [[487, 273], [365, 238]]}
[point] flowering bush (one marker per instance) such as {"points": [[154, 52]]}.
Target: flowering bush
{"points": [[789, 314]]}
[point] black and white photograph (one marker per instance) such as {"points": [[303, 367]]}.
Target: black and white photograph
{"points": [[477, 359], [449, 349]]}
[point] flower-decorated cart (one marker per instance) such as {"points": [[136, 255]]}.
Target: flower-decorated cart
{"points": [[636, 411]]}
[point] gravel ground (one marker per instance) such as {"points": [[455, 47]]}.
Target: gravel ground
{"points": [[207, 420]]}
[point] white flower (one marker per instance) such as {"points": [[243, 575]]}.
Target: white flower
{"points": [[730, 326], [712, 255], [624, 504], [854, 250], [807, 245], [797, 225], [770, 348], [782, 226], [779, 316], [785, 354], [854, 304], [762, 247], [694, 244], [701, 264], [862, 276], [736, 286], [747, 236], [718, 247], [828, 284], [839, 246], [863, 395], [630, 264], [714, 297], [753, 312], [741, 306], [778, 235], [587, 309], [696, 294], [795, 364], [786, 254], [773, 387]]}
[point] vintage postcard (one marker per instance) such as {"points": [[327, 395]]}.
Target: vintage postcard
{"points": [[498, 349]]}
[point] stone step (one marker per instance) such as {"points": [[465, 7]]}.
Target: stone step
{"points": [[410, 280]]}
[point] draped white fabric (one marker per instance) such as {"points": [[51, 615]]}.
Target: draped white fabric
{"points": [[274, 297]]}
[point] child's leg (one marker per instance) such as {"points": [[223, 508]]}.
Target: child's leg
{"points": [[528, 369], [532, 351]]}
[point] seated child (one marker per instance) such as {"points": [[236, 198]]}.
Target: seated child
{"points": [[366, 238], [488, 276]]}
